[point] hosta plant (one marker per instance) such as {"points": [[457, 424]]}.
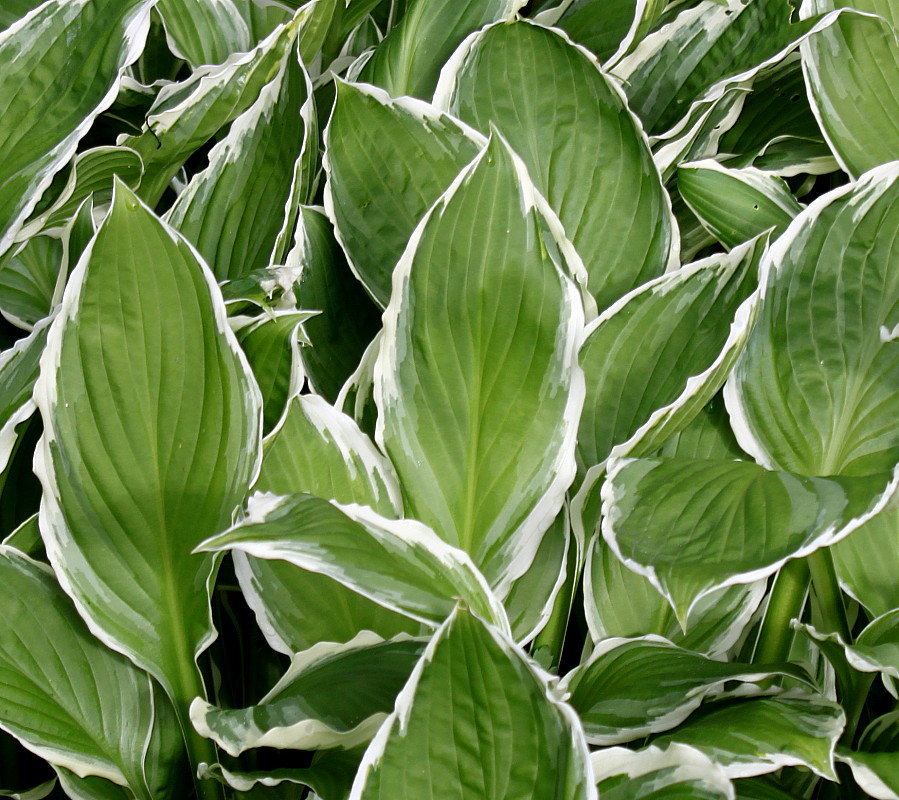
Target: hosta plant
{"points": [[452, 399]]}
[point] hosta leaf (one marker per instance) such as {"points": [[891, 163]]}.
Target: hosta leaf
{"points": [[27, 539], [356, 397], [708, 42], [675, 773], [736, 204], [657, 356], [868, 561], [619, 602], [570, 109], [533, 596], [761, 735], [851, 70], [330, 776], [408, 62], [348, 320], [234, 209], [320, 450], [504, 732], [91, 174], [272, 346], [875, 650], [18, 372], [373, 196], [39, 792], [814, 391], [708, 435], [90, 788], [761, 789], [14, 10], [188, 114], [477, 383], [204, 31], [402, 565], [633, 687], [788, 156], [68, 698], [28, 276], [59, 69], [120, 528], [693, 526], [332, 696], [875, 764], [605, 26]]}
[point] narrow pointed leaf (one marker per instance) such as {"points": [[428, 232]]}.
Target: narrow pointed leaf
{"points": [[633, 687], [372, 195], [656, 357], [876, 649], [736, 205], [761, 735], [676, 772], [19, 367], [186, 115], [348, 320], [142, 456], [272, 346], [317, 449], [204, 31], [234, 209], [402, 565], [411, 56], [68, 698], [707, 43], [612, 205], [851, 71], [476, 381], [504, 731], [332, 696], [693, 526], [619, 602], [814, 390], [60, 69]]}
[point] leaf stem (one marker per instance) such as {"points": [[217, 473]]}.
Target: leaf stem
{"points": [[828, 594], [199, 749], [785, 604]]}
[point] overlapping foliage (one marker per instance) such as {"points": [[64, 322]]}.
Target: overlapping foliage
{"points": [[469, 399]]}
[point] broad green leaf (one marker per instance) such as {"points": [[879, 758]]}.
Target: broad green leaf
{"points": [[320, 450], [90, 788], [142, 456], [27, 539], [330, 776], [71, 700], [373, 196], [28, 276], [676, 773], [409, 60], [633, 687], [760, 735], [19, 367], [234, 209], [13, 10], [356, 397], [851, 70], [59, 69], [272, 346], [613, 206], [476, 382], [332, 696], [504, 731], [204, 31], [348, 320], [656, 357], [761, 789], [91, 174], [693, 526], [814, 391], [709, 435], [713, 40], [868, 561], [788, 156], [402, 565], [736, 204], [263, 17], [619, 602], [187, 114]]}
